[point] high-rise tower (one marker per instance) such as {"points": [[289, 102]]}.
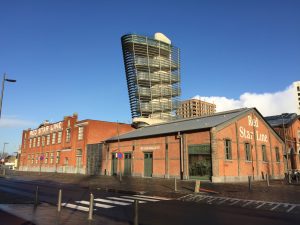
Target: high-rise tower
{"points": [[296, 86], [152, 66]]}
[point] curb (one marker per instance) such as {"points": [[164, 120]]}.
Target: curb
{"points": [[121, 191]]}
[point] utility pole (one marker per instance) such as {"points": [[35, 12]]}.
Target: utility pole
{"points": [[2, 92], [119, 158]]}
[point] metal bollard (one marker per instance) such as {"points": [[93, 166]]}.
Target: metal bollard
{"points": [[268, 181], [91, 207], [136, 213], [36, 200], [197, 186], [249, 183], [175, 184], [59, 200]]}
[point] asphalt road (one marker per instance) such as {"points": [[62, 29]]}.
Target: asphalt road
{"points": [[156, 212]]}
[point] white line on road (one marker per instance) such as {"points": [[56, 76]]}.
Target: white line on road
{"points": [[248, 203], [69, 205], [236, 201], [111, 201], [290, 209], [260, 205], [143, 199], [153, 197], [275, 207], [96, 204], [124, 199]]}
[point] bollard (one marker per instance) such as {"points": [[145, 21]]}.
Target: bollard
{"points": [[59, 200], [289, 178], [91, 207], [175, 184], [136, 212], [3, 171], [249, 183], [36, 200], [268, 181], [197, 186]]}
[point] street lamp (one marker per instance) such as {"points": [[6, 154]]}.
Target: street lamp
{"points": [[2, 93], [5, 143]]}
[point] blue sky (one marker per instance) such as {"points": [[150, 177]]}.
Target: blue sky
{"points": [[66, 55]]}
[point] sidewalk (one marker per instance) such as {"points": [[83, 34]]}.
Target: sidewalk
{"points": [[278, 191]]}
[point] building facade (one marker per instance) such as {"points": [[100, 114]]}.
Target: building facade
{"points": [[287, 125], [63, 146], [296, 86], [152, 66], [223, 147], [195, 107]]}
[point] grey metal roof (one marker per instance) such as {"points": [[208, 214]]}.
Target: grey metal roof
{"points": [[198, 123], [278, 120]]}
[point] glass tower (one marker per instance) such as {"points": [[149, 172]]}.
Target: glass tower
{"points": [[152, 66]]}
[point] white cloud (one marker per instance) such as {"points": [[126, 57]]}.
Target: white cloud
{"points": [[13, 122], [267, 103]]}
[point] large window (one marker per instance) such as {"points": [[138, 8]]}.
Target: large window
{"points": [[48, 139], [248, 151], [228, 152], [57, 156], [277, 154], [68, 135], [264, 153], [43, 140], [51, 157], [30, 142], [53, 138], [38, 141], [59, 134], [80, 133], [34, 142], [46, 158]]}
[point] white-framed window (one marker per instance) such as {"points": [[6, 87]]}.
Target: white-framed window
{"points": [[30, 143], [277, 154], [46, 157], [248, 151], [53, 138], [80, 132], [228, 152], [48, 139], [43, 140], [38, 141], [59, 134], [68, 135], [34, 142], [264, 153], [51, 157], [57, 156]]}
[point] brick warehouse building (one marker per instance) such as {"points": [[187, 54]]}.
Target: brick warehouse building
{"points": [[224, 147], [287, 125], [67, 146]]}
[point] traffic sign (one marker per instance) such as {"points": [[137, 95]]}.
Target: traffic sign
{"points": [[120, 155], [41, 157]]}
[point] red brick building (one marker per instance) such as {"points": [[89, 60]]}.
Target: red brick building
{"points": [[287, 125], [223, 147], [64, 146]]}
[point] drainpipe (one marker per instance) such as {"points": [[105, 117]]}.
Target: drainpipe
{"points": [[181, 154]]}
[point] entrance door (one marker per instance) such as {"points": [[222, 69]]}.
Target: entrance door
{"points": [[148, 164], [78, 160], [127, 164], [114, 163], [199, 162]]}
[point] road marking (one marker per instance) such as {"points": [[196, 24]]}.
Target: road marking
{"points": [[290, 209], [69, 205], [236, 201], [219, 203], [124, 199], [96, 204], [275, 207], [248, 203], [153, 197], [111, 201], [137, 198], [260, 205]]}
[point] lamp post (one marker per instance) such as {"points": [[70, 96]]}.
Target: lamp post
{"points": [[2, 92], [5, 143]]}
